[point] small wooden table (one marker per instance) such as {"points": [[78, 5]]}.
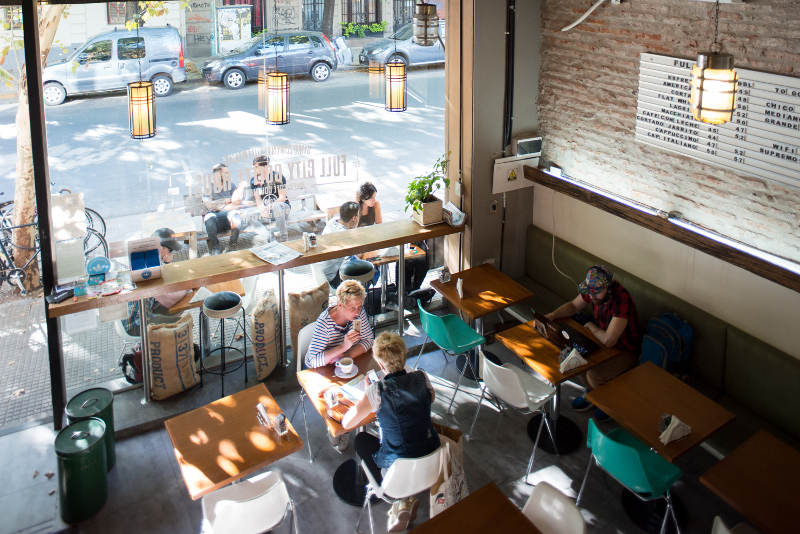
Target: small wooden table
{"points": [[349, 482], [637, 400], [179, 221], [542, 356], [486, 291], [760, 479], [224, 441], [486, 510]]}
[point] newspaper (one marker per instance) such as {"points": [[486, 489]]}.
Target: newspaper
{"points": [[275, 253]]}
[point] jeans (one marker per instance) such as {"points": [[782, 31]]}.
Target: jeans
{"points": [[228, 221], [366, 445]]}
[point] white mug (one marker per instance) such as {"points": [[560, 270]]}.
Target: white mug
{"points": [[346, 365]]}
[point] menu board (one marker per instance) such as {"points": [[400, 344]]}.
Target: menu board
{"points": [[762, 139]]}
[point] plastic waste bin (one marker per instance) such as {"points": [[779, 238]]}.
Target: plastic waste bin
{"points": [[95, 402], [82, 474]]}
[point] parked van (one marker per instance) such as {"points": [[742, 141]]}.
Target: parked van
{"points": [[112, 60]]}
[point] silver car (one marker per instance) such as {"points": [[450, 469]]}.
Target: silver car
{"points": [[111, 60], [400, 47]]}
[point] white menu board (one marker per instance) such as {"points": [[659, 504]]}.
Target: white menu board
{"points": [[763, 139]]}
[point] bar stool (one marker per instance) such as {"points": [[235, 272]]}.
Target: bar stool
{"points": [[361, 271], [222, 305]]}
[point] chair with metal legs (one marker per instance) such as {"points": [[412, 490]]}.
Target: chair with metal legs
{"points": [[552, 512], [223, 305], [303, 341], [512, 386], [453, 336], [634, 465]]}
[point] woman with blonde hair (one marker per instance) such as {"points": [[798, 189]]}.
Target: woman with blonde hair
{"points": [[402, 402]]}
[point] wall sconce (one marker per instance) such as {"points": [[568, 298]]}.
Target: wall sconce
{"points": [[278, 98], [142, 110], [395, 73], [426, 25], [713, 83]]}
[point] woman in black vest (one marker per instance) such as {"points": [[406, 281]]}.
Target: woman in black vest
{"points": [[402, 401]]}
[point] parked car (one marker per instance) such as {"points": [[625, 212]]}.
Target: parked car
{"points": [[298, 53], [111, 60], [406, 50]]}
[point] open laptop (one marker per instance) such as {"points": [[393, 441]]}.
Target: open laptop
{"points": [[564, 335]]}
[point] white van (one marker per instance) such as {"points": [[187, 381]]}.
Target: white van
{"points": [[112, 60]]}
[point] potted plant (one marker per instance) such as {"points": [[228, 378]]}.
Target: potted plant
{"points": [[426, 207]]}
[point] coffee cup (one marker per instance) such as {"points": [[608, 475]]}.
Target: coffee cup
{"points": [[346, 365]]}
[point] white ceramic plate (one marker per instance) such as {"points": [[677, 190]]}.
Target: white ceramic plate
{"points": [[353, 372]]}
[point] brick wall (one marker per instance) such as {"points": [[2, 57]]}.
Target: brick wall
{"points": [[587, 108]]}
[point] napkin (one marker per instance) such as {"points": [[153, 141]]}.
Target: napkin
{"points": [[460, 288], [573, 361], [675, 431], [200, 295]]}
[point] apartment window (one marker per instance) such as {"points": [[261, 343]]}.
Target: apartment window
{"points": [[116, 12]]}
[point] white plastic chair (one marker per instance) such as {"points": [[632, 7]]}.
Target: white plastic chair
{"points": [[721, 528], [252, 506], [127, 339], [319, 276], [303, 341], [552, 512], [406, 477], [514, 387]]}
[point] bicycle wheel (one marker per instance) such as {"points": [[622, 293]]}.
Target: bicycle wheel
{"points": [[94, 244], [95, 221]]}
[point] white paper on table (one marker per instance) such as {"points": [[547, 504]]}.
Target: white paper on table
{"points": [[676, 430], [79, 322], [200, 295], [573, 361], [70, 258], [460, 288], [391, 252], [275, 253]]}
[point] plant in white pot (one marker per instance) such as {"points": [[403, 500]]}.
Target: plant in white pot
{"points": [[427, 209]]}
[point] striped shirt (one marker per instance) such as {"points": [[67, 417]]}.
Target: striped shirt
{"points": [[328, 334]]}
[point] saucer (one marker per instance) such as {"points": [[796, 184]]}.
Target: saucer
{"points": [[340, 374]]}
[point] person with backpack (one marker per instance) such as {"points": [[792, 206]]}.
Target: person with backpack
{"points": [[615, 324]]}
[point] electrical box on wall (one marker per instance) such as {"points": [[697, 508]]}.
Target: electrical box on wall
{"points": [[509, 173]]}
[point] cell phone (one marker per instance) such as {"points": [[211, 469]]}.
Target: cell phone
{"points": [[373, 376]]}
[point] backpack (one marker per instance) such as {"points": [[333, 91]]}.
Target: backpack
{"points": [[131, 364], [668, 343]]}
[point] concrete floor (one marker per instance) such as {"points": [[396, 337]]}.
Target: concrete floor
{"points": [[147, 492]]}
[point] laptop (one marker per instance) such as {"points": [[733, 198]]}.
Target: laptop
{"points": [[564, 335]]}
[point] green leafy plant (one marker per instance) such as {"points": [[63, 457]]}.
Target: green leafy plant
{"points": [[350, 28], [421, 188]]}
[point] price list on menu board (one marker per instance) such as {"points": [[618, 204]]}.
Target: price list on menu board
{"points": [[762, 139]]}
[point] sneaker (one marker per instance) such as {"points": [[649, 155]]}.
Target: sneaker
{"points": [[600, 416], [414, 508], [581, 404], [215, 251], [339, 444], [232, 247], [399, 516]]}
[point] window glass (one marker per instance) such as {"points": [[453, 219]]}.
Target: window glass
{"points": [[116, 12], [316, 41], [99, 51], [129, 48], [270, 45], [403, 33], [299, 42]]}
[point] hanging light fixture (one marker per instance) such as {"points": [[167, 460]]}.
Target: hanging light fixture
{"points": [[375, 78], [277, 88], [426, 25], [395, 74], [262, 76], [713, 83], [141, 102]]}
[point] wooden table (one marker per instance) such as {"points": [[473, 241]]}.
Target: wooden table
{"points": [[486, 510], [637, 400], [179, 221], [349, 482], [224, 441], [382, 262], [542, 356], [761, 479], [486, 291]]}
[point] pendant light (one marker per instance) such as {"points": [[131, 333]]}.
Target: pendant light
{"points": [[713, 83], [277, 88], [425, 24], [395, 75], [375, 78], [141, 103]]}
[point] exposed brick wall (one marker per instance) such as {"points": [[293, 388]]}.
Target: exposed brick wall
{"points": [[587, 108]]}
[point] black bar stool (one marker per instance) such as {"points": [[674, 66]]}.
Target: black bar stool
{"points": [[222, 305]]}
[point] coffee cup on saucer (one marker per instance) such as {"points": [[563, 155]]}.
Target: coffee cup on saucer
{"points": [[346, 365]]}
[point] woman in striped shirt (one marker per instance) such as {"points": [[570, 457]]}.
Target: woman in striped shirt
{"points": [[342, 330]]}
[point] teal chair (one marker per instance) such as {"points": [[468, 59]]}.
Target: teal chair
{"points": [[634, 465], [453, 336]]}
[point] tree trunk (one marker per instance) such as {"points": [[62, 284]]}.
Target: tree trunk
{"points": [[327, 18], [133, 13], [24, 191]]}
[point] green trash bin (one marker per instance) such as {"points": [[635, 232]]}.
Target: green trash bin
{"points": [[95, 402], [82, 475]]}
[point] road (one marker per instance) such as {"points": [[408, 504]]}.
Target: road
{"points": [[90, 150]]}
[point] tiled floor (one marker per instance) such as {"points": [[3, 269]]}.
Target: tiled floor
{"points": [[147, 493]]}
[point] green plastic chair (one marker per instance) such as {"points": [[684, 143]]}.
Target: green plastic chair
{"points": [[452, 335], [634, 465]]}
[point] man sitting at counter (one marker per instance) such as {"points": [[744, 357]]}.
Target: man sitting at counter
{"points": [[229, 208], [348, 219]]}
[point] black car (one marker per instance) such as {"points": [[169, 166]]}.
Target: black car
{"points": [[303, 53]]}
